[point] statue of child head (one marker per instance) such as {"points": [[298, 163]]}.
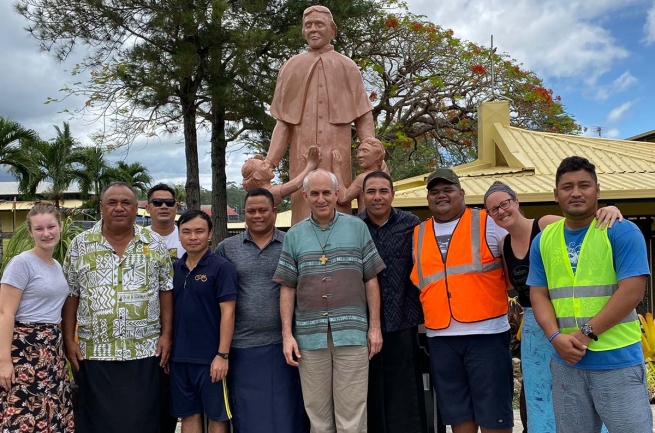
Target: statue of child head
{"points": [[256, 173], [370, 153]]}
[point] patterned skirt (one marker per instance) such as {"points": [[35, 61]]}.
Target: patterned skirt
{"points": [[40, 398]]}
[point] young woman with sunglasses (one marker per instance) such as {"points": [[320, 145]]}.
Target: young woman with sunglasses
{"points": [[501, 203], [35, 388]]}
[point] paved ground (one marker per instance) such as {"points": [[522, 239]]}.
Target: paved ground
{"points": [[518, 427]]}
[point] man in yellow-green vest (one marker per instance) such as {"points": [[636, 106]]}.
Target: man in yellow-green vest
{"points": [[585, 283]]}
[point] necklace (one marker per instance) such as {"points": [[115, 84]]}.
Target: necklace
{"points": [[323, 259]]}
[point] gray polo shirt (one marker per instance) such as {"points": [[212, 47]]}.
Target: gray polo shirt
{"points": [[257, 322]]}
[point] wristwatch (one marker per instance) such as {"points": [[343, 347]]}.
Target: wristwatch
{"points": [[223, 355], [588, 331]]}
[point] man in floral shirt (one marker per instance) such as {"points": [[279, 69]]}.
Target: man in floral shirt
{"points": [[120, 278]]}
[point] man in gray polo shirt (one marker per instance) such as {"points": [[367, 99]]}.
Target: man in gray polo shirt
{"points": [[265, 392]]}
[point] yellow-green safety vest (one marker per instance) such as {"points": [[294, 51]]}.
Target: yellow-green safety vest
{"points": [[578, 298]]}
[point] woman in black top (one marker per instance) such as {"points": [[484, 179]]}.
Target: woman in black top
{"points": [[503, 206]]}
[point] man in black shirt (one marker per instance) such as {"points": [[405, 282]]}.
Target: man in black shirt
{"points": [[395, 388]]}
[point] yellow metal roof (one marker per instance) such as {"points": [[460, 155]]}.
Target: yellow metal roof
{"points": [[527, 161], [27, 205], [283, 220]]}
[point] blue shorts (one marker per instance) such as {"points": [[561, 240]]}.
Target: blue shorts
{"points": [[192, 392], [473, 379]]}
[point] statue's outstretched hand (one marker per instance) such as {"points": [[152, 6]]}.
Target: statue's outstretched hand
{"points": [[337, 160], [313, 157]]}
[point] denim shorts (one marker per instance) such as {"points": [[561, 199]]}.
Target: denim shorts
{"points": [[473, 379]]}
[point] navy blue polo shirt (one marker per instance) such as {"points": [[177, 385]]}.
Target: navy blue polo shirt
{"points": [[196, 311]]}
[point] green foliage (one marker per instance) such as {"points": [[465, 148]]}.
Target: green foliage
{"points": [[11, 154], [235, 198], [62, 161], [22, 241], [135, 174], [180, 193], [95, 173], [55, 160]]}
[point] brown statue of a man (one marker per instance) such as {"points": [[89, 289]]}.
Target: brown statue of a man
{"points": [[319, 94]]}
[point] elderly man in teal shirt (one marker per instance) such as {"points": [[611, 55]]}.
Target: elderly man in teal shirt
{"points": [[328, 270]]}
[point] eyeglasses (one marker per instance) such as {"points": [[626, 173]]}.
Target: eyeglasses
{"points": [[158, 202], [502, 205]]}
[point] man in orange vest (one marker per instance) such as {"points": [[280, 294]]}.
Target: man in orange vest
{"points": [[458, 269]]}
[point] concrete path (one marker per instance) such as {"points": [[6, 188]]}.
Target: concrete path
{"points": [[518, 427]]}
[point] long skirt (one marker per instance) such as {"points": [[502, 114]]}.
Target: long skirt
{"points": [[119, 396], [265, 392], [40, 398], [396, 403]]}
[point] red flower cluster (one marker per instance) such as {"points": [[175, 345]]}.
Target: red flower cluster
{"points": [[543, 94], [391, 22], [416, 26], [373, 96], [478, 69]]}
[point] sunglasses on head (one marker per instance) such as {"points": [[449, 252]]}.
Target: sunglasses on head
{"points": [[158, 202]]}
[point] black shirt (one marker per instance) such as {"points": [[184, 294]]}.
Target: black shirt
{"points": [[517, 269], [401, 307]]}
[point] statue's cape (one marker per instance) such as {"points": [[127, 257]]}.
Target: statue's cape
{"points": [[347, 98]]}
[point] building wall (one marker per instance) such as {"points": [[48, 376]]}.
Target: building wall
{"points": [[11, 220]]}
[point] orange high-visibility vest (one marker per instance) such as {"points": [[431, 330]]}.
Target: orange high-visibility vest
{"points": [[470, 286]]}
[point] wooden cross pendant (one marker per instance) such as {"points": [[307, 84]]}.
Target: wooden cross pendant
{"points": [[323, 260]]}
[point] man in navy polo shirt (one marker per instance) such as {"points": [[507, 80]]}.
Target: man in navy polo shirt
{"points": [[204, 293]]}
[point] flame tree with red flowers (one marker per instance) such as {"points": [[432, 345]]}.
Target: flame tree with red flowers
{"points": [[426, 85]]}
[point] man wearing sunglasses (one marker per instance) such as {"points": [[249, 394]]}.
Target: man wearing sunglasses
{"points": [[162, 208]]}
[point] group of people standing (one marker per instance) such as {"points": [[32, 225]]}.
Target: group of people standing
{"points": [[318, 328], [579, 283]]}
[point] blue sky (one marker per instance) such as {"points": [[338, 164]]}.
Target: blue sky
{"points": [[596, 54]]}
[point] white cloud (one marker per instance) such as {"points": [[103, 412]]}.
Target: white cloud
{"points": [[649, 27], [624, 81], [616, 114], [612, 133], [621, 84], [552, 37]]}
